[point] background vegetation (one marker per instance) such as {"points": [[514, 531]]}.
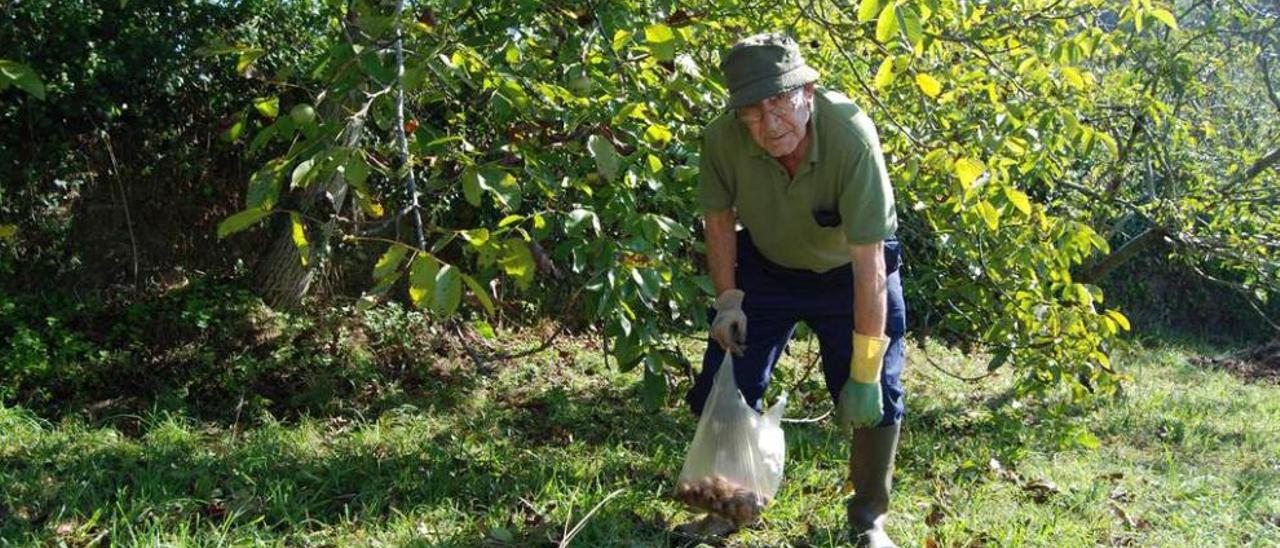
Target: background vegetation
{"points": [[236, 221]]}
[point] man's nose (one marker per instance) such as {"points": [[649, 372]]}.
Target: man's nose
{"points": [[773, 123]]}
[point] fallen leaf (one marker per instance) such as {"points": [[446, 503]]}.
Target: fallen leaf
{"points": [[936, 515], [500, 534], [67, 527], [1041, 489], [1123, 515]]}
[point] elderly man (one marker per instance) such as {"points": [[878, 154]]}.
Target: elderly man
{"points": [[801, 169]]}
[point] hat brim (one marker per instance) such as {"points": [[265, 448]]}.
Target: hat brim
{"points": [[767, 87]]}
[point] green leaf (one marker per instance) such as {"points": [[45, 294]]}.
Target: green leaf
{"points": [[448, 291], [237, 128], [998, 359], [655, 164], [422, 279], [887, 26], [264, 185], [1087, 440], [268, 106], [989, 214], [247, 57], [620, 38], [240, 221], [867, 10], [657, 135], [503, 186], [299, 232], [578, 217], [471, 185], [501, 534], [1165, 17], [1073, 77], [8, 232], [662, 42], [264, 136], [607, 159], [649, 282], [390, 261], [480, 293], [1103, 360], [654, 385], [483, 328], [356, 170], [299, 178], [514, 93], [630, 111], [1082, 294], [912, 28], [22, 76], [476, 236], [1018, 199], [884, 75], [1119, 318], [928, 85], [1110, 142], [968, 170], [517, 261]]}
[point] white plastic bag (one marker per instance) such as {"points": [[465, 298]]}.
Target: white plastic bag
{"points": [[734, 464]]}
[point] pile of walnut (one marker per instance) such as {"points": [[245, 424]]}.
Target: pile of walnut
{"points": [[720, 496]]}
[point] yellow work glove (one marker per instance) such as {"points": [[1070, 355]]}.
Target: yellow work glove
{"points": [[861, 402]]}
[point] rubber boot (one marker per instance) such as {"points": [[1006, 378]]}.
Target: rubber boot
{"points": [[871, 472]]}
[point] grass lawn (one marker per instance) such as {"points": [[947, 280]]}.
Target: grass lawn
{"points": [[1185, 457]]}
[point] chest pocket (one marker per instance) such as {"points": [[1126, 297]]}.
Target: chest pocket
{"points": [[825, 206]]}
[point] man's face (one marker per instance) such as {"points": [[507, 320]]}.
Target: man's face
{"points": [[778, 123]]}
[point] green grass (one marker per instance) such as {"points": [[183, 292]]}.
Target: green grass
{"points": [[1185, 457]]}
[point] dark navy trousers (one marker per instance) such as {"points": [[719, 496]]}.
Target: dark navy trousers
{"points": [[777, 298]]}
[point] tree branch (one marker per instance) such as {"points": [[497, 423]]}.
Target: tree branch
{"points": [[405, 161], [826, 25], [1262, 164], [1118, 257], [1266, 80]]}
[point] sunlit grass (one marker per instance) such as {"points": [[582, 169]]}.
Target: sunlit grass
{"points": [[520, 456]]}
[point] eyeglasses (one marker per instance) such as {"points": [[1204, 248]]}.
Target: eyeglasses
{"points": [[781, 105]]}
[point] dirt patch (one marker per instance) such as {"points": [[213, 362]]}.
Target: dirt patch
{"points": [[1258, 364]]}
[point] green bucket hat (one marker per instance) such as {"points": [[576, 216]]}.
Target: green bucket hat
{"points": [[764, 65]]}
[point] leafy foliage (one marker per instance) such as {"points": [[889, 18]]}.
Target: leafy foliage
{"points": [[565, 139]]}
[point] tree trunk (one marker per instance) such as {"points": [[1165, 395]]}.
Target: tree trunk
{"points": [[279, 276], [1125, 252]]}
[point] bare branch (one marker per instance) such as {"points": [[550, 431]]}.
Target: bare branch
{"points": [[1266, 79]]}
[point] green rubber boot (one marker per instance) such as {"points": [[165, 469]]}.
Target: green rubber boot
{"points": [[871, 472]]}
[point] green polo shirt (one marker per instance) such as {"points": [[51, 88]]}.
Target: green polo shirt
{"points": [[843, 171]]}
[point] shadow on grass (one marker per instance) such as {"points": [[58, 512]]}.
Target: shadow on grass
{"points": [[182, 481], [599, 439]]}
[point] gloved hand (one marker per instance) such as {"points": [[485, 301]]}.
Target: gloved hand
{"points": [[860, 404], [729, 328]]}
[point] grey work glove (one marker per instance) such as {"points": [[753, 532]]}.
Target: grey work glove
{"points": [[729, 328]]}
